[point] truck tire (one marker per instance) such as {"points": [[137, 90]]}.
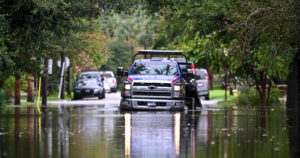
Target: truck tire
{"points": [[114, 90]]}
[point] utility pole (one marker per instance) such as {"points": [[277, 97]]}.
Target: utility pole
{"points": [[44, 86], [62, 67], [69, 81]]}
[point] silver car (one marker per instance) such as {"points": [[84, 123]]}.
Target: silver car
{"points": [[202, 81]]}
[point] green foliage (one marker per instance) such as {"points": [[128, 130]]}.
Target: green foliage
{"points": [[248, 99], [256, 39], [34, 30], [252, 98], [125, 34], [121, 56], [6, 63], [274, 97], [9, 85], [3, 97]]}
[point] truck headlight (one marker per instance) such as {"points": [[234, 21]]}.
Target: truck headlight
{"points": [[126, 90], [178, 91], [127, 86], [177, 88]]}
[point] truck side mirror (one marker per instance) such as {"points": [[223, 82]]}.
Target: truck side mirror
{"points": [[121, 72]]}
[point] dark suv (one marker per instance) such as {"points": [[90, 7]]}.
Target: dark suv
{"points": [[90, 84], [157, 83]]}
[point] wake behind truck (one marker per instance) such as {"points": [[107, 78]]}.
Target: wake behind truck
{"points": [[160, 82]]}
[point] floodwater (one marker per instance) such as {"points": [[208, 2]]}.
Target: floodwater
{"points": [[95, 131]]}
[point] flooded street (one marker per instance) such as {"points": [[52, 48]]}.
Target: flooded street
{"points": [[103, 131]]}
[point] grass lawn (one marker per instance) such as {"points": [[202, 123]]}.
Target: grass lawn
{"points": [[226, 104], [54, 97], [220, 94]]}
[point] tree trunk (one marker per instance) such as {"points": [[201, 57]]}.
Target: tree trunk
{"points": [[211, 78], [293, 106], [226, 82], [262, 92], [30, 89], [269, 92], [69, 81], [17, 89], [230, 82]]}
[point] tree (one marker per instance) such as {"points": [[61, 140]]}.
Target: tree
{"points": [[42, 29], [265, 33], [259, 35], [126, 33]]}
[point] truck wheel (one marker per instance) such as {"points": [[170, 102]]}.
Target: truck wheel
{"points": [[113, 90]]}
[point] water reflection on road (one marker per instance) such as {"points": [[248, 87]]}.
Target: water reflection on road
{"points": [[95, 131]]}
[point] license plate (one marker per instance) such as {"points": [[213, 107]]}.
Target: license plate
{"points": [[200, 84], [87, 91], [151, 104]]}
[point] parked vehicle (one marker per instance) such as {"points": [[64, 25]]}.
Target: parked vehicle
{"points": [[156, 83], [112, 81], [106, 85], [202, 83], [90, 84], [190, 86]]}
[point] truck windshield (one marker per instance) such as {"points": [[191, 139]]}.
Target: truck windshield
{"points": [[154, 68]]}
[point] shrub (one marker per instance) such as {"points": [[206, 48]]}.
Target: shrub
{"points": [[242, 100], [275, 95], [3, 97], [9, 85], [252, 98]]}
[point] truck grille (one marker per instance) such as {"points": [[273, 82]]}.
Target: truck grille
{"points": [[153, 93], [140, 103], [152, 84]]}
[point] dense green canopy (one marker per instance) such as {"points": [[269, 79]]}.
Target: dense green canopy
{"points": [[256, 39]]}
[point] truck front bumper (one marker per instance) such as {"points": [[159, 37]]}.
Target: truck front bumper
{"points": [[151, 104]]}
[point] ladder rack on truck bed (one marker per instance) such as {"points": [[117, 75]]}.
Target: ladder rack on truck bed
{"points": [[152, 53]]}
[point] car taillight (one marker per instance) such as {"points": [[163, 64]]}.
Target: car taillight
{"points": [[113, 80], [194, 69], [207, 78]]}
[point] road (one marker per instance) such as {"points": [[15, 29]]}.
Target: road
{"points": [[96, 128], [112, 100]]}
